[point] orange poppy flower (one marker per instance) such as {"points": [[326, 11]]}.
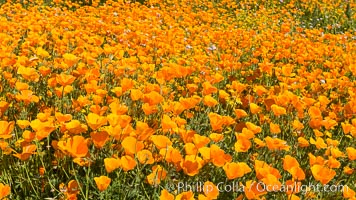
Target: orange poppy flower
{"points": [[76, 146], [238, 87], [350, 109], [83, 162], [61, 118], [192, 88], [5, 190], [190, 149], [242, 145], [291, 165], [21, 86], [165, 195], [351, 153], [335, 152], [259, 143], [152, 98], [189, 195], [99, 138], [254, 108], [28, 135], [263, 169], [161, 141], [117, 108], [147, 109], [42, 129], [223, 96], [27, 97], [240, 113], [3, 107], [168, 124], [302, 142], [315, 123], [254, 190], [227, 120], [4, 146], [278, 110], [75, 127], [73, 188], [191, 102], [319, 143], [41, 52], [289, 162], [132, 145], [348, 192], [269, 102], [98, 109], [266, 67], [216, 121], [314, 112], [210, 190], [6, 129], [171, 154], [236, 170], [274, 128], [28, 73], [210, 101], [135, 94], [128, 163], [276, 144], [333, 163], [27, 151], [145, 157], [208, 88], [205, 153], [191, 165], [111, 164], [260, 90], [218, 156], [346, 127], [127, 84], [180, 122], [178, 108], [187, 135], [95, 121], [64, 79], [118, 91], [70, 59], [216, 137], [143, 131], [60, 91], [315, 160], [293, 187], [102, 182], [157, 175], [121, 120], [254, 128], [318, 133], [322, 174], [298, 125], [329, 123], [44, 70], [348, 170], [200, 140], [271, 183]]}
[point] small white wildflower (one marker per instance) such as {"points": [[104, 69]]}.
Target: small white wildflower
{"points": [[212, 47]]}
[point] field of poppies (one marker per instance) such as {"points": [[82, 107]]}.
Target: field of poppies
{"points": [[178, 99]]}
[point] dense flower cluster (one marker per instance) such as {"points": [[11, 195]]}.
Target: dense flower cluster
{"points": [[123, 100]]}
